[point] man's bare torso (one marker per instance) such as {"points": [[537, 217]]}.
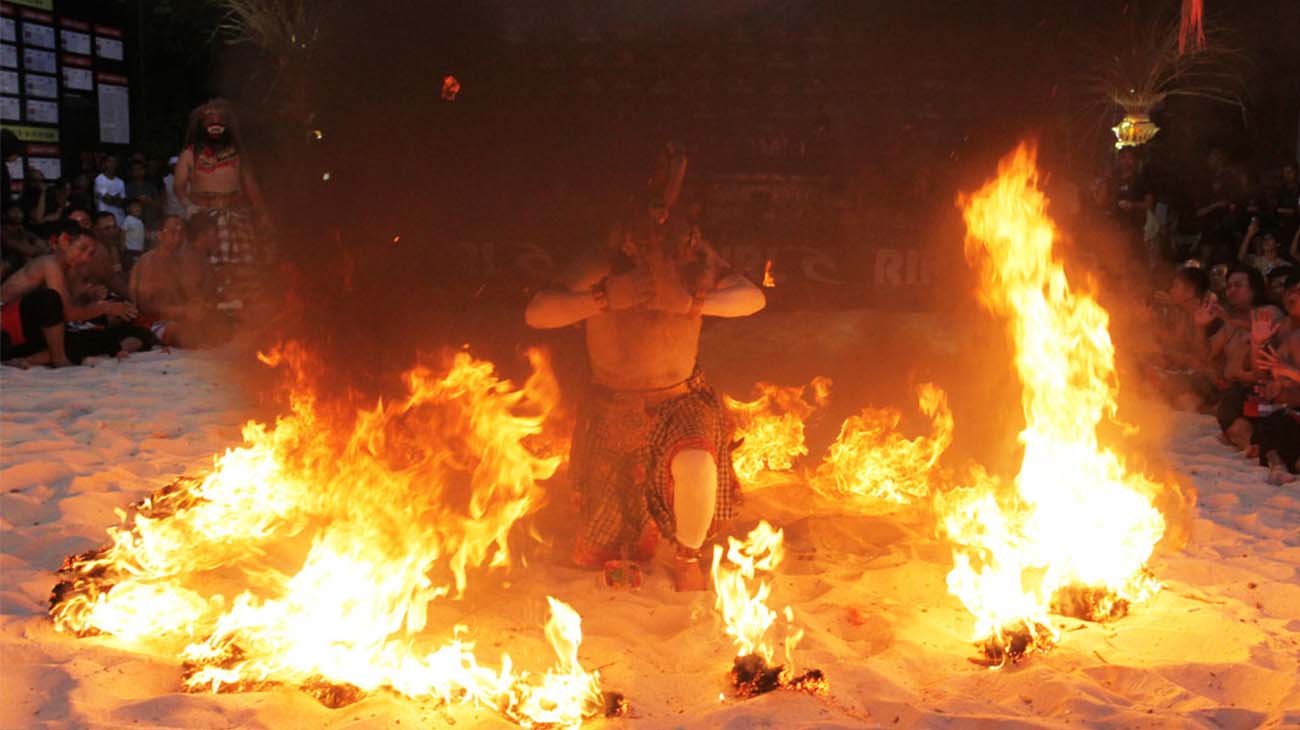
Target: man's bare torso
{"points": [[157, 283], [643, 349], [640, 350]]}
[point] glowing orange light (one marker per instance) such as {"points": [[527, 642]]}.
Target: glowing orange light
{"points": [[345, 531], [1075, 527], [450, 87], [771, 428], [872, 464]]}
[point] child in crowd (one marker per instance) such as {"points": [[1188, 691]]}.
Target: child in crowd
{"points": [[132, 233]]}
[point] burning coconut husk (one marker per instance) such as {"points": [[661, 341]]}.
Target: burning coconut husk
{"points": [[752, 675], [741, 600], [1072, 532], [341, 526]]}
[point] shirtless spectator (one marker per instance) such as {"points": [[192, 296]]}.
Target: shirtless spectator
{"points": [[1183, 375], [1278, 435], [109, 232], [175, 286], [19, 245], [103, 273], [38, 301], [1229, 350]]}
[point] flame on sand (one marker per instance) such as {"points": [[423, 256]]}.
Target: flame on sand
{"points": [[393, 506], [1073, 532], [771, 427], [741, 596], [870, 462]]}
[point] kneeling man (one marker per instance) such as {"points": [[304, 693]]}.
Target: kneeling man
{"points": [[651, 453]]}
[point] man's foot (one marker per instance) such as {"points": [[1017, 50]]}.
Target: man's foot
{"points": [[18, 362], [688, 571], [1278, 474]]}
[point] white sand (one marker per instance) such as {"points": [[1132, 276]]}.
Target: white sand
{"points": [[1218, 648]]}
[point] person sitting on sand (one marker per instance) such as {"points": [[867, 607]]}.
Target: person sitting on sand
{"points": [[1229, 349], [175, 285], [1278, 435], [37, 301], [1183, 375], [18, 244]]}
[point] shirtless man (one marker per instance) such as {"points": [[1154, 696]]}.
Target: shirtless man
{"points": [[1279, 433], [651, 452], [1231, 345], [175, 286], [1183, 375], [38, 300]]}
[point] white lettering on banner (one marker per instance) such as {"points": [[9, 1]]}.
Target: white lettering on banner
{"points": [[901, 267], [534, 260], [816, 265]]}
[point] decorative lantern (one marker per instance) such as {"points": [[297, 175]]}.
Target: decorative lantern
{"points": [[1136, 128]]}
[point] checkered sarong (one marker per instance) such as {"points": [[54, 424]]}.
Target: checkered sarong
{"points": [[234, 235], [621, 458]]}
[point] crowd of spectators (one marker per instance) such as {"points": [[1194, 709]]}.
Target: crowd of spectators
{"points": [[104, 266], [1229, 330]]}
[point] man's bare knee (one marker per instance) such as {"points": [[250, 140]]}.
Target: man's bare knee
{"points": [[693, 464], [695, 491]]}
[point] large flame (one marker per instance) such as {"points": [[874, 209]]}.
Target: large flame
{"points": [[770, 428], [741, 593], [310, 556], [1075, 527], [870, 462]]}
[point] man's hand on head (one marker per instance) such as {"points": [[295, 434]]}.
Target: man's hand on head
{"points": [[670, 296], [632, 290]]}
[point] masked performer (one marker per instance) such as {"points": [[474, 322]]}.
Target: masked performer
{"points": [[651, 453], [213, 178]]}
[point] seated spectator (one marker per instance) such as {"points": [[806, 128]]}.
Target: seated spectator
{"points": [[1265, 254], [1228, 350], [37, 301], [176, 286], [83, 194], [57, 205], [78, 215], [18, 245], [1277, 432], [132, 234], [1276, 280], [1182, 375], [109, 233]]}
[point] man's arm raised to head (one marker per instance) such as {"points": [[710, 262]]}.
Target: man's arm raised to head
{"points": [[734, 296], [573, 299]]}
